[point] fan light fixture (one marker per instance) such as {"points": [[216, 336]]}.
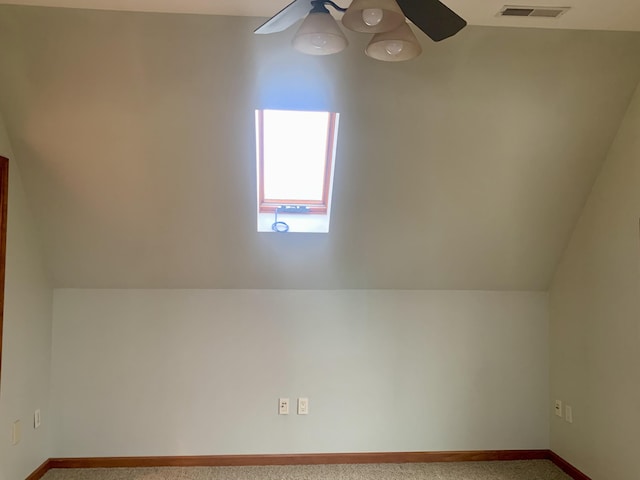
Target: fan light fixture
{"points": [[373, 16], [395, 46], [319, 34], [393, 41]]}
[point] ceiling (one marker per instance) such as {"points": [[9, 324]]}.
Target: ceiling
{"points": [[465, 168], [623, 15]]}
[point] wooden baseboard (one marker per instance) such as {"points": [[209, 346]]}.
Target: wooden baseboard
{"points": [[569, 469], [299, 459], [39, 472], [308, 459]]}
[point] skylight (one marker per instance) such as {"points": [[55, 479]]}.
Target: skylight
{"points": [[295, 160]]}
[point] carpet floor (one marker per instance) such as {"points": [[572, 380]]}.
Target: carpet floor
{"points": [[513, 470]]}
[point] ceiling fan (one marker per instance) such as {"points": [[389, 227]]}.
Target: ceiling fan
{"points": [[393, 39]]}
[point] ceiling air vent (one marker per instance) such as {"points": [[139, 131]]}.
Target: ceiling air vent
{"points": [[520, 11]]}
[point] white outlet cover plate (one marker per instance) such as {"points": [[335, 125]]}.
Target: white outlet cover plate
{"points": [[303, 406], [558, 408], [16, 432], [36, 419], [568, 413], [283, 406]]}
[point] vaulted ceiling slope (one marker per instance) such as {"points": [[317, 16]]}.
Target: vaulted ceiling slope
{"points": [[463, 169]]}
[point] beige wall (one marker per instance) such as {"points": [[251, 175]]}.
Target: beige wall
{"points": [[194, 372], [26, 349], [595, 321]]}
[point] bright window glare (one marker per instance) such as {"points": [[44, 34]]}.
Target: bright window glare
{"points": [[295, 154]]}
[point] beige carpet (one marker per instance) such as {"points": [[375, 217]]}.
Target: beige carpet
{"points": [[516, 470]]}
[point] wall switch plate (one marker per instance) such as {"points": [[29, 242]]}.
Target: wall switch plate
{"points": [[283, 406], [16, 432], [36, 418], [558, 408], [568, 413], [303, 406]]}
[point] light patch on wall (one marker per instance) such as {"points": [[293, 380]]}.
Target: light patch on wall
{"points": [[295, 160]]}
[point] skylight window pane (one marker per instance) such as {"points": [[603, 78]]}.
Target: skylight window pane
{"points": [[295, 155], [295, 160]]}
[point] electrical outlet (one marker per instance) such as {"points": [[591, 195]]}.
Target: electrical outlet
{"points": [[283, 406], [558, 408], [16, 432], [568, 413], [36, 418], [303, 406]]}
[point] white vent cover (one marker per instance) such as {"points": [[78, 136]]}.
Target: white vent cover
{"points": [[522, 11]]}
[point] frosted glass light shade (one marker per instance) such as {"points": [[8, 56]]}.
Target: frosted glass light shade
{"points": [[319, 34], [396, 46], [392, 16]]}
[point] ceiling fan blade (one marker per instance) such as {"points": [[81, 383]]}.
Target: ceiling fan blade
{"points": [[286, 17], [432, 17]]}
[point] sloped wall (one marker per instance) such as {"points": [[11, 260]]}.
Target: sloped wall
{"points": [[26, 349], [595, 321]]}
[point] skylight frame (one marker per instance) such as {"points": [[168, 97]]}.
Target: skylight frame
{"points": [[319, 207]]}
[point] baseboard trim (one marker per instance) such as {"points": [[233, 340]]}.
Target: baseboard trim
{"points": [[299, 459], [39, 472], [308, 459], [565, 466]]}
